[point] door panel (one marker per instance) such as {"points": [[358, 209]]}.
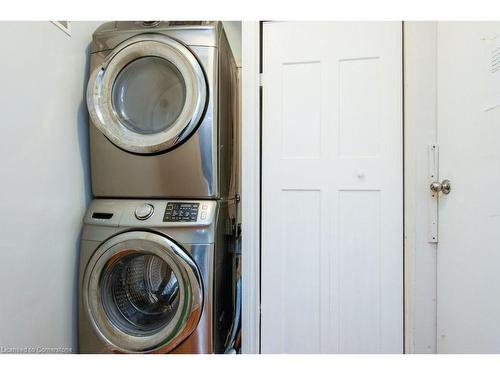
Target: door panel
{"points": [[300, 283], [142, 293], [468, 263], [332, 213], [148, 95]]}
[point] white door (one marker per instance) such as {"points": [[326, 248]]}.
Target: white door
{"points": [[468, 263], [332, 188]]}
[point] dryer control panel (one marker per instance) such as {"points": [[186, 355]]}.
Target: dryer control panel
{"points": [[181, 212]]}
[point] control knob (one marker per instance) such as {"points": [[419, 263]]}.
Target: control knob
{"points": [[144, 211]]}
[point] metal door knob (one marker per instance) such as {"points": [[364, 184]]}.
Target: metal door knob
{"points": [[443, 187]]}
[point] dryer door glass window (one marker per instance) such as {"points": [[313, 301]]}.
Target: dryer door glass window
{"points": [[148, 95]]}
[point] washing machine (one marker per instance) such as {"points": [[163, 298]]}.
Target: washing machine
{"points": [[155, 277], [162, 99]]}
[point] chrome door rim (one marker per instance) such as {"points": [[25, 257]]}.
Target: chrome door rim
{"points": [[99, 94], [186, 317]]}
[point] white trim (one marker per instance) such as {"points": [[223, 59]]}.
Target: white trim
{"points": [[66, 28], [250, 330], [420, 114]]}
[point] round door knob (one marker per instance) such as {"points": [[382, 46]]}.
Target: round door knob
{"points": [[144, 211], [444, 187]]}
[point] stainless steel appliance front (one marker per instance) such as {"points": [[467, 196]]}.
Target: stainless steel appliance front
{"points": [[142, 293], [155, 285], [162, 101]]}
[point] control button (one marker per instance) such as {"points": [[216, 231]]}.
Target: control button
{"points": [[203, 215], [144, 211], [181, 212], [204, 207]]}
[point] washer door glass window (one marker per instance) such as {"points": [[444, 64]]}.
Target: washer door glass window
{"points": [[148, 95], [142, 293]]}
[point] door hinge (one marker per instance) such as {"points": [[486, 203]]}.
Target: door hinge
{"points": [[261, 79]]}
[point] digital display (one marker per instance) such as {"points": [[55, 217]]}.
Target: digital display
{"points": [[181, 212]]}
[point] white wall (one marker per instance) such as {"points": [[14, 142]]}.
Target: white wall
{"points": [[45, 180]]}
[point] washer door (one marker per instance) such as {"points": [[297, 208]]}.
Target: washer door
{"points": [[142, 293], [148, 95]]}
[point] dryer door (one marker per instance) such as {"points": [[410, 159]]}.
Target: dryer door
{"points": [[148, 95], [142, 293]]}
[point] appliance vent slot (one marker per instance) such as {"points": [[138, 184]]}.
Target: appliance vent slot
{"points": [[102, 215]]}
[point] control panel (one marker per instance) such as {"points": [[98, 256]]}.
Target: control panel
{"points": [[181, 212], [151, 213]]}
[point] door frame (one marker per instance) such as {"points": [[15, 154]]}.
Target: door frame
{"points": [[250, 187], [419, 130]]}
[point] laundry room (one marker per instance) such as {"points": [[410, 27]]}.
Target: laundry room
{"points": [[184, 185], [208, 182]]}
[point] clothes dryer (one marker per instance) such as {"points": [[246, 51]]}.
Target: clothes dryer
{"points": [[162, 99]]}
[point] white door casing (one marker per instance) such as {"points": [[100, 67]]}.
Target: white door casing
{"points": [[332, 188], [250, 184], [468, 263]]}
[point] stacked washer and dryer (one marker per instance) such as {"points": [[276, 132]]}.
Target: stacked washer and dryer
{"points": [[158, 243]]}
